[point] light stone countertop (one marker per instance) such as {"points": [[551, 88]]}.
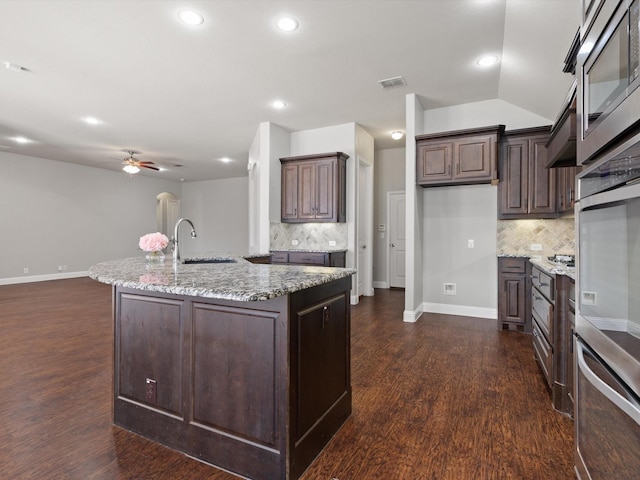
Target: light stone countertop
{"points": [[545, 265], [553, 268], [240, 281]]}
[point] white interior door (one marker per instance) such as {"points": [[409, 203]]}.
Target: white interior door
{"points": [[173, 214], [396, 206], [364, 227]]}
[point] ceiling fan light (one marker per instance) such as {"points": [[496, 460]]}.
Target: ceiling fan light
{"points": [[397, 134], [131, 169]]}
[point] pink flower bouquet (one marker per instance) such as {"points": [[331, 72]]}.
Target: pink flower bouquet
{"points": [[153, 242]]}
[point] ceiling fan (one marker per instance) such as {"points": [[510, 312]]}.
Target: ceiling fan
{"points": [[133, 165]]}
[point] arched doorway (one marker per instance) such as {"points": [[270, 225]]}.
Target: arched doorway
{"points": [[168, 212]]}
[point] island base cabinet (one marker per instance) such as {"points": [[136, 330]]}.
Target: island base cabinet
{"points": [[256, 388]]}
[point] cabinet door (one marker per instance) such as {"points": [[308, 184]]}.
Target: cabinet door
{"points": [[474, 158], [306, 190], [434, 163], [542, 180], [561, 188], [512, 306], [321, 358], [513, 193], [289, 201], [325, 190]]}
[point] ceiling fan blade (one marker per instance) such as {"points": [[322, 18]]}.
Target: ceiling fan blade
{"points": [[147, 166], [144, 163]]}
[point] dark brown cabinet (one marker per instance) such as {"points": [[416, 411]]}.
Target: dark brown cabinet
{"points": [[527, 188], [566, 188], [457, 158], [324, 259], [256, 388], [514, 287], [552, 334], [314, 188]]}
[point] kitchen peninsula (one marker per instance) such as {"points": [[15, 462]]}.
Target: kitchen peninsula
{"points": [[243, 366]]}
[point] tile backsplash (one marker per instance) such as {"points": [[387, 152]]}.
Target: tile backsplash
{"points": [[310, 236], [514, 237]]}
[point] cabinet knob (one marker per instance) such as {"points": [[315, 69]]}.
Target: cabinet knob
{"points": [[392, 244]]}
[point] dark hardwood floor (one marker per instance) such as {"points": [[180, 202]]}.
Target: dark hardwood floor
{"points": [[446, 398]]}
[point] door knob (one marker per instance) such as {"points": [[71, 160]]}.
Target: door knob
{"points": [[392, 244]]}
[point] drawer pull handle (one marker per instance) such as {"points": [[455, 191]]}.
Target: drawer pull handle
{"points": [[325, 317]]}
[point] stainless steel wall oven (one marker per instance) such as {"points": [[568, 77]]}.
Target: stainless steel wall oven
{"points": [[607, 375]]}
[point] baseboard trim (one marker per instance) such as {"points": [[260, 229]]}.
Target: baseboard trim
{"points": [[380, 284], [42, 278], [461, 310], [411, 316]]}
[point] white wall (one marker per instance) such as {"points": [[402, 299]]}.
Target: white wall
{"points": [[219, 210], [389, 177], [452, 216], [55, 213]]}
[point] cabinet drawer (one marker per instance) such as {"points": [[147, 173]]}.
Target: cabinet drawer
{"points": [[542, 311], [512, 265], [543, 351], [279, 257], [307, 258], [544, 283]]}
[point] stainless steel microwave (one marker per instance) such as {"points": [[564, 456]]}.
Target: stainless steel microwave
{"points": [[608, 76]]}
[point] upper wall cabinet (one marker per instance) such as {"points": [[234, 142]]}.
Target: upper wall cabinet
{"points": [[460, 157], [527, 188], [314, 188]]}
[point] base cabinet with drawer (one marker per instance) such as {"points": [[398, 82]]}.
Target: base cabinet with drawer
{"points": [[321, 259], [514, 287], [552, 334], [542, 290]]}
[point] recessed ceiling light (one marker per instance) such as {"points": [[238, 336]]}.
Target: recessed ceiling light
{"points": [[21, 140], [190, 17], [397, 134], [93, 120], [287, 24], [226, 160], [487, 60], [279, 104]]}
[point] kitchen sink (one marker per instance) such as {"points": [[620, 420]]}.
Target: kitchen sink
{"points": [[192, 261]]}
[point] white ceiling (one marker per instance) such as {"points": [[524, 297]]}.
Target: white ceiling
{"points": [[191, 95]]}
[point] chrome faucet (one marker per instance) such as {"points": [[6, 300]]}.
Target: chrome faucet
{"points": [[176, 248]]}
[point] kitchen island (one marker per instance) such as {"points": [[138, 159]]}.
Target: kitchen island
{"points": [[240, 365]]}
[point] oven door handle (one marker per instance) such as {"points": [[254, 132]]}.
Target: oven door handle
{"points": [[629, 406]]}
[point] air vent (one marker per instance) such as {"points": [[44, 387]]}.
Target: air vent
{"points": [[393, 82]]}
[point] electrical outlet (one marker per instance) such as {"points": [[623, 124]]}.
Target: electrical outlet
{"points": [[450, 289], [64, 268], [536, 246], [332, 243], [151, 393], [294, 242], [471, 243], [589, 298], [25, 270]]}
